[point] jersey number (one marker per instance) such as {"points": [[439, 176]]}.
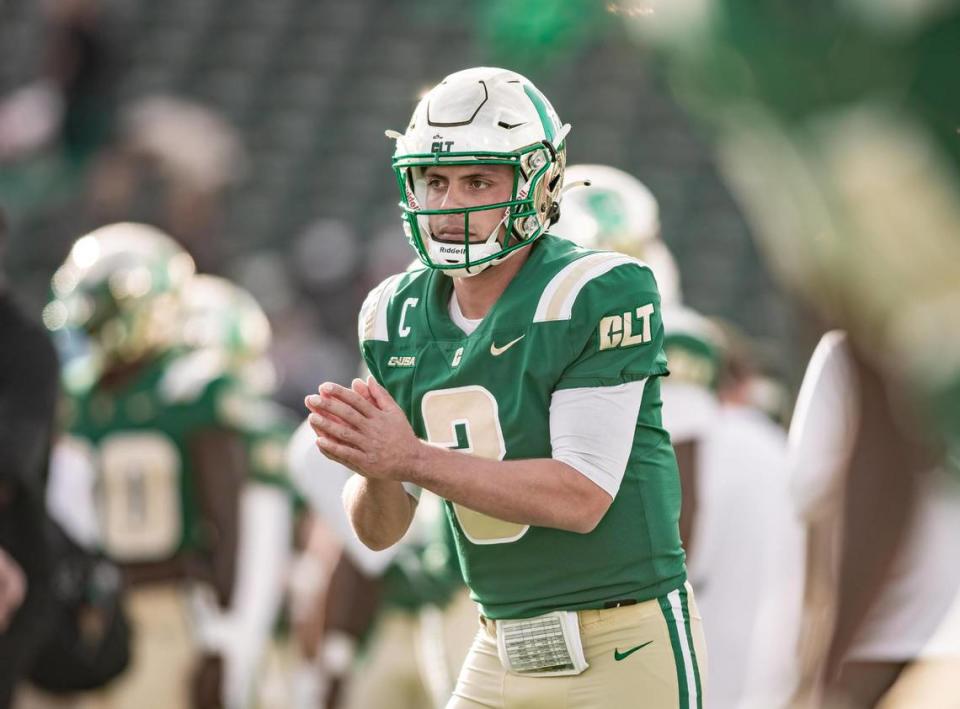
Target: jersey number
{"points": [[140, 496], [467, 419]]}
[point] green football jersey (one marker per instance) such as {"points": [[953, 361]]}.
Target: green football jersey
{"points": [[571, 318], [137, 438]]}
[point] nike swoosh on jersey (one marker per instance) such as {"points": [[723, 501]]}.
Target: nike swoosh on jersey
{"points": [[497, 351], [617, 655]]}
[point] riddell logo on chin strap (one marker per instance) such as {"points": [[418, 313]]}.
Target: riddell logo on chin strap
{"points": [[451, 251]]}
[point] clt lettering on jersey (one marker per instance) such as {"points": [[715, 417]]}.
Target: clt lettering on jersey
{"points": [[401, 361], [617, 330]]}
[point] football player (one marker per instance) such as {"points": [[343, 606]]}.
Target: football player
{"points": [[222, 318], [530, 368], [187, 463]]}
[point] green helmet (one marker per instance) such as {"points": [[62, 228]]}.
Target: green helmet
{"points": [[482, 116], [121, 286]]}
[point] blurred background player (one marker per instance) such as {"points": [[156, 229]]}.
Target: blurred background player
{"points": [[186, 459], [339, 612], [907, 648], [736, 521], [851, 182], [748, 543], [617, 212], [401, 617], [54, 127]]}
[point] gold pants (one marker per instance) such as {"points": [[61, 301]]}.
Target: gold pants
{"points": [[649, 655]]}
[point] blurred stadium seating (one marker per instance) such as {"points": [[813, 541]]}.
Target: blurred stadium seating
{"points": [[312, 84]]}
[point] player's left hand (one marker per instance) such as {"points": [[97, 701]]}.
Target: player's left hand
{"points": [[364, 429]]}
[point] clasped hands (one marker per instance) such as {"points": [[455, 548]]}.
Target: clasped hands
{"points": [[364, 429]]}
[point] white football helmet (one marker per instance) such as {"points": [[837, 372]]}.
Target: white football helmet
{"points": [[617, 212], [482, 116]]}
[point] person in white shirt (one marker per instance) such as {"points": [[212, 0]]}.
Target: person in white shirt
{"points": [[745, 545], [908, 640]]}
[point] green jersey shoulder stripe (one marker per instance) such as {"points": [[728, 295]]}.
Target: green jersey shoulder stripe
{"points": [[558, 298]]}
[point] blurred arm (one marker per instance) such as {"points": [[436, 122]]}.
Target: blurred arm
{"points": [[321, 481], [263, 556]]}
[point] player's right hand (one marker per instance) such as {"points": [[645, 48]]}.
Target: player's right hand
{"points": [[364, 429]]}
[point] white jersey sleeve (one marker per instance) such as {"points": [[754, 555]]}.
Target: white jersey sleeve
{"points": [[263, 557], [592, 430]]}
